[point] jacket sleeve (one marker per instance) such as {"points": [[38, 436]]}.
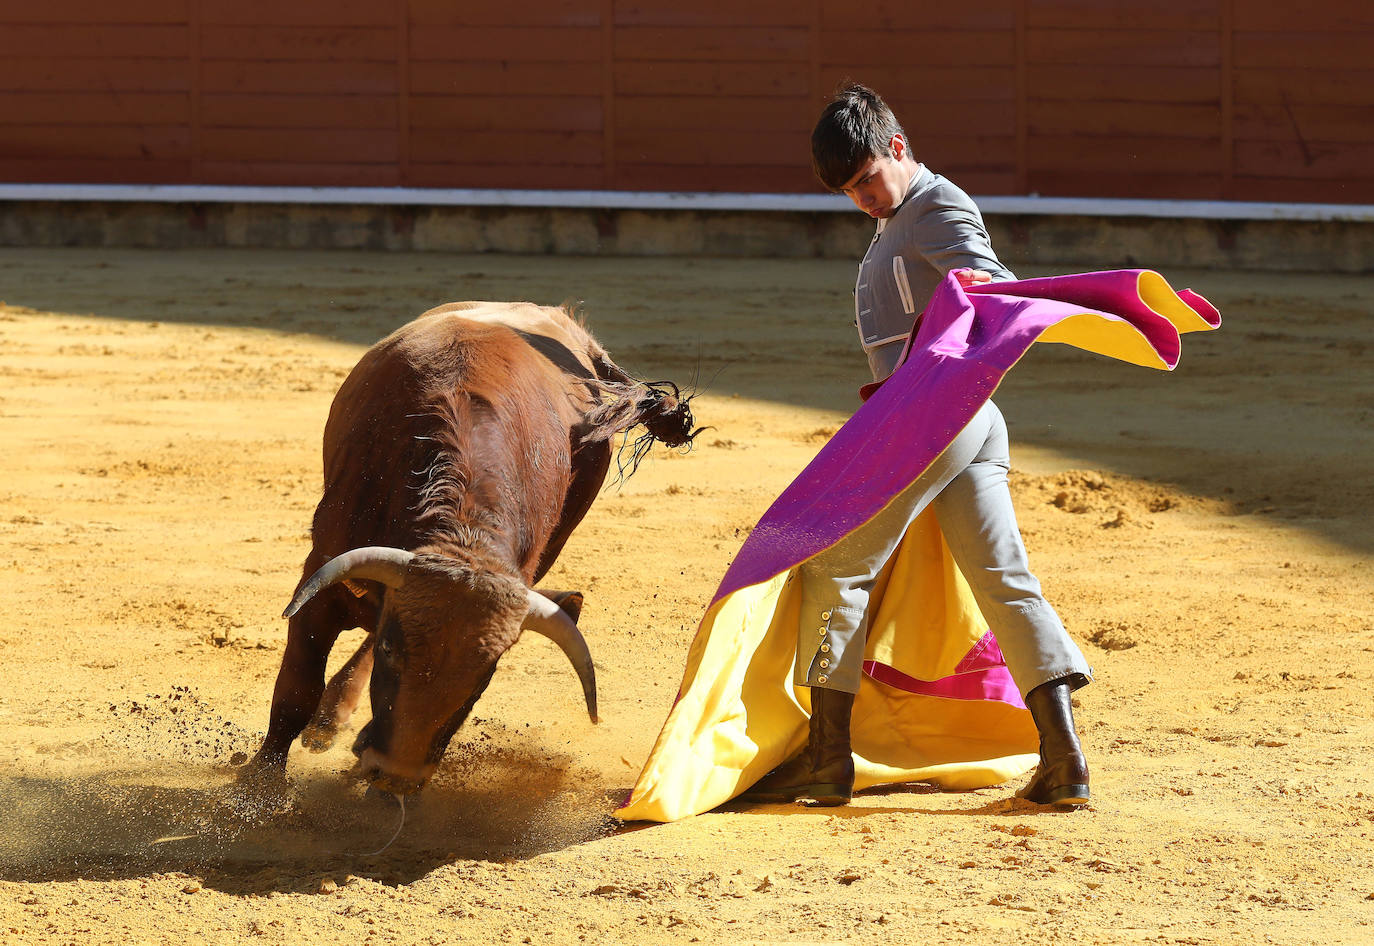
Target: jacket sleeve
{"points": [[950, 235]]}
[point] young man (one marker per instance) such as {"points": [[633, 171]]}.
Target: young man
{"points": [[927, 227]]}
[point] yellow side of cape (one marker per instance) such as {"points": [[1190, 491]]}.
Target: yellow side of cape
{"points": [[738, 714]]}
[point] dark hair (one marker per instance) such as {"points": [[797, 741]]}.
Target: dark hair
{"points": [[856, 126]]}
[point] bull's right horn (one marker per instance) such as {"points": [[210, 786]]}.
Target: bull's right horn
{"points": [[549, 619], [376, 562]]}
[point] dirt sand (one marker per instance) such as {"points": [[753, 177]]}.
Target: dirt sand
{"points": [[1206, 535]]}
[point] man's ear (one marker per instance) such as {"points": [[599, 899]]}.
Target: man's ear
{"points": [[897, 146]]}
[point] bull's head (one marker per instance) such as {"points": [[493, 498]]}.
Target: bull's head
{"points": [[442, 628]]}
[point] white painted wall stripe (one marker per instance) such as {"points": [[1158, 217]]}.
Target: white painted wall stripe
{"points": [[664, 200]]}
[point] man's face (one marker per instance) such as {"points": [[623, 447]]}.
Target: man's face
{"points": [[880, 183]]}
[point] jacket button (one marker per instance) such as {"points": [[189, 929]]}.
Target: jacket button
{"points": [[825, 663], [825, 648], [822, 678], [825, 615]]}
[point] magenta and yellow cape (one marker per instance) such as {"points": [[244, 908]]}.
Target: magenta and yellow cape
{"points": [[936, 702]]}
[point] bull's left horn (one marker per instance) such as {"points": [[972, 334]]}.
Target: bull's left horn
{"points": [[376, 562], [549, 619]]}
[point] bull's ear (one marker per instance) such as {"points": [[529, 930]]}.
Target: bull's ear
{"points": [[569, 601]]}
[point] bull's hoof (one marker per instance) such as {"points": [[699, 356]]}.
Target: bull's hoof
{"points": [[318, 738]]}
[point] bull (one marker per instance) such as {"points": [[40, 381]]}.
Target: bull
{"points": [[459, 455]]}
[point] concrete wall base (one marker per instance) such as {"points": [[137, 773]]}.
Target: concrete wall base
{"points": [[1042, 240]]}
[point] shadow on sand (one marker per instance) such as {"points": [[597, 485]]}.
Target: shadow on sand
{"points": [[120, 825]]}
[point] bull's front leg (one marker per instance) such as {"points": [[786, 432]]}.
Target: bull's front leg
{"points": [[300, 682], [340, 699]]}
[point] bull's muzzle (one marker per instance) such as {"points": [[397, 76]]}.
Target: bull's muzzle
{"points": [[378, 772]]}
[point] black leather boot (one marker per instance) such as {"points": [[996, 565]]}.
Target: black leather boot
{"points": [[824, 771], [1061, 778]]}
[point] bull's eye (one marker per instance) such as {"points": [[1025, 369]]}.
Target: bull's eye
{"points": [[387, 637]]}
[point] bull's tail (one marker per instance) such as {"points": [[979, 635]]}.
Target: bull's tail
{"points": [[659, 407]]}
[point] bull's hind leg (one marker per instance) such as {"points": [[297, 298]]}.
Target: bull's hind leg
{"points": [[300, 681], [340, 699]]}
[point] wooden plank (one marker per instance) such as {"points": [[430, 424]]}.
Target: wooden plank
{"points": [[91, 12], [1329, 160], [536, 148], [1138, 119], [712, 13], [1328, 50], [319, 145], [920, 118], [1321, 123], [540, 44], [101, 142], [486, 13], [981, 183], [1304, 87], [914, 84], [1145, 156], [956, 155], [1155, 15], [512, 175], [767, 149], [95, 108], [82, 75], [1124, 47], [1304, 190], [92, 42], [711, 78], [1171, 84], [926, 47], [294, 78], [779, 179], [55, 169], [505, 78], [298, 111], [906, 14], [745, 44], [743, 113], [608, 98], [1075, 183], [300, 174], [1279, 17], [315, 44], [546, 113], [297, 12]]}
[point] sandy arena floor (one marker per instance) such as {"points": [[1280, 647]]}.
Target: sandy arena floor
{"points": [[1206, 535]]}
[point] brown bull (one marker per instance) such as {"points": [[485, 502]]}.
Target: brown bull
{"points": [[459, 455]]}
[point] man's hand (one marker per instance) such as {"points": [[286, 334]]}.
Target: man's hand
{"points": [[972, 277]]}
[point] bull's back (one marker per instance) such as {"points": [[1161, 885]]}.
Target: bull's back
{"points": [[527, 319], [444, 382]]}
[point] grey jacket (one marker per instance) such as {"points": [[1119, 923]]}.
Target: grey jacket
{"points": [[937, 228]]}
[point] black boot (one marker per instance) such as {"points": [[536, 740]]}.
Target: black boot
{"points": [[1061, 778], [824, 771]]}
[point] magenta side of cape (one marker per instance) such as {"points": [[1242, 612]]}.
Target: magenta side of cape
{"points": [[965, 342], [981, 675]]}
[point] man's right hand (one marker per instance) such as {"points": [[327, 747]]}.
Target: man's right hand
{"points": [[972, 277]]}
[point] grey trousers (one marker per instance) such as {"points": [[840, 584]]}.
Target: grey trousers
{"points": [[967, 485]]}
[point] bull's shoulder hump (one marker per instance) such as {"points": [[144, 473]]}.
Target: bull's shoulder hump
{"points": [[524, 318], [521, 316]]}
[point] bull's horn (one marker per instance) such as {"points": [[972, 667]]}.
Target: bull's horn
{"points": [[377, 562], [549, 619]]}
